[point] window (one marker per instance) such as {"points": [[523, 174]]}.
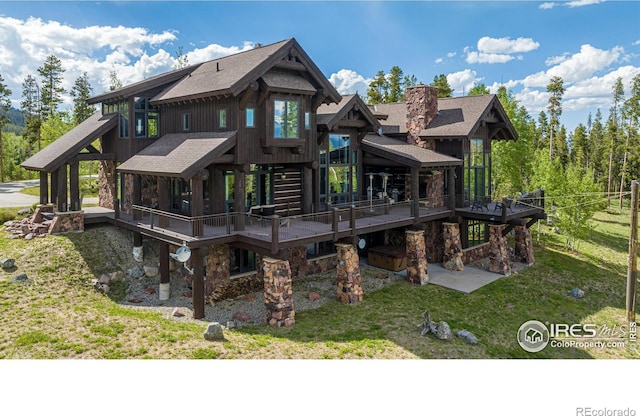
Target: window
{"points": [[146, 118], [307, 120], [285, 119], [123, 119], [250, 122], [185, 121], [476, 170], [476, 233], [222, 118], [338, 171]]}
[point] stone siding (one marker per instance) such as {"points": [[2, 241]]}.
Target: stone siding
{"points": [[416, 258], [422, 108], [475, 253], [67, 222], [498, 251], [349, 280], [107, 184], [278, 292], [452, 259]]}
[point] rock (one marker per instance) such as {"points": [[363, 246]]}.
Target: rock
{"points": [[251, 298], [467, 337], [8, 263], [135, 300], [138, 254], [151, 271], [24, 211], [443, 331], [177, 313], [241, 316], [115, 276], [187, 294], [314, 296], [214, 332], [135, 272], [383, 276], [29, 236], [104, 279], [577, 293], [149, 291], [21, 278], [48, 215]]}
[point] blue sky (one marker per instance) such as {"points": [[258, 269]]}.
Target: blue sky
{"points": [[520, 44]]}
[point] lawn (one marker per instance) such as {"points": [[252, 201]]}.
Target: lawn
{"points": [[88, 188], [59, 315]]}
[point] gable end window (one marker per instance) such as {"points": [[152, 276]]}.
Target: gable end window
{"points": [[285, 119], [250, 122], [185, 122], [307, 120]]}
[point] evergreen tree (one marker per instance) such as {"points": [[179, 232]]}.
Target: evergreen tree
{"points": [[561, 147], [377, 89], [479, 89], [542, 140], [114, 81], [396, 87], [554, 107], [597, 149], [5, 105], [613, 126], [444, 89], [408, 81], [580, 147], [52, 90], [31, 107], [81, 92], [182, 61]]}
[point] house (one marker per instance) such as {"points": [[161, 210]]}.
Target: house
{"points": [[257, 165]]}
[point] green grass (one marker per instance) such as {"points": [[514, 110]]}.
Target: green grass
{"points": [[60, 315], [88, 188]]}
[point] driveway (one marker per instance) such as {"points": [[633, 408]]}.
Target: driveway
{"points": [[11, 197]]}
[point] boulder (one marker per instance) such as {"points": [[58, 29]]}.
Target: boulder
{"points": [[8, 263], [241, 316], [214, 332], [21, 278], [151, 271], [104, 279], [443, 331], [135, 272], [577, 293], [24, 211], [314, 296], [115, 276], [467, 337]]}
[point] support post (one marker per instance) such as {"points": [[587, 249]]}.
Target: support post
{"points": [[137, 196], [74, 185], [164, 202], [165, 286], [197, 284], [275, 233], [238, 199], [451, 185], [415, 193], [307, 190], [54, 188], [197, 202], [62, 189], [44, 188], [632, 273]]}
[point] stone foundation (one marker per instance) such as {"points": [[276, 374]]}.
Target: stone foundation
{"points": [[237, 286], [433, 234], [498, 251], [349, 280], [278, 292], [475, 253], [452, 257], [322, 264], [416, 258], [40, 209], [297, 257], [67, 222], [217, 266], [523, 245]]}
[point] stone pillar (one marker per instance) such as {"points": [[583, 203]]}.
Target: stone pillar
{"points": [[452, 258], [297, 257], [498, 251], [349, 289], [67, 222], [524, 245], [278, 292], [416, 258], [217, 268], [107, 184]]}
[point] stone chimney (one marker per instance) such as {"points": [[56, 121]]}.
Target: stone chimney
{"points": [[422, 107]]}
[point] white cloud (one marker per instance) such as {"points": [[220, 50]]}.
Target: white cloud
{"points": [[506, 45], [452, 54], [636, 42], [348, 81], [474, 57], [463, 81], [579, 66], [547, 5], [555, 60], [439, 60], [580, 3]]}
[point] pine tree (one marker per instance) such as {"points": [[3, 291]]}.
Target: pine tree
{"points": [[613, 126], [377, 89], [597, 149], [31, 107], [542, 141], [81, 92], [5, 105], [396, 88], [182, 61], [114, 81], [554, 107], [479, 89], [408, 81], [580, 147], [444, 89], [52, 90]]}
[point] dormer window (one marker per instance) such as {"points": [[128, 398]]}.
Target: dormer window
{"points": [[285, 119], [222, 118]]}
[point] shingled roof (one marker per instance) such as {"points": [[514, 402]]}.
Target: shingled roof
{"points": [[457, 117], [234, 73], [180, 155], [330, 115], [71, 143], [404, 153]]}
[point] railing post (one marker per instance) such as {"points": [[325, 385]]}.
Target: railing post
{"points": [[228, 221], [352, 219], [151, 218], [387, 206], [334, 224], [504, 210], [275, 233], [116, 208], [542, 198]]}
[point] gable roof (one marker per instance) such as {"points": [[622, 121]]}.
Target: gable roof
{"points": [[71, 143], [457, 117], [330, 115], [180, 155], [404, 153], [235, 73]]}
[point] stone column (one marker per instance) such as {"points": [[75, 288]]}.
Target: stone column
{"points": [[217, 268], [107, 184], [498, 252], [349, 289], [278, 292], [297, 257], [452, 258], [416, 258], [524, 245]]}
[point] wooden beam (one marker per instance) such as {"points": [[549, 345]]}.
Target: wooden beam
{"points": [[92, 149], [248, 94], [197, 202], [216, 192], [54, 187], [415, 192], [164, 200], [292, 65], [163, 256], [307, 190], [322, 137], [74, 185], [93, 156], [239, 198], [44, 187], [61, 201], [352, 123], [318, 98]]}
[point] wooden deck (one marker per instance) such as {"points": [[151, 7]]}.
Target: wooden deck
{"points": [[270, 234], [497, 213]]}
